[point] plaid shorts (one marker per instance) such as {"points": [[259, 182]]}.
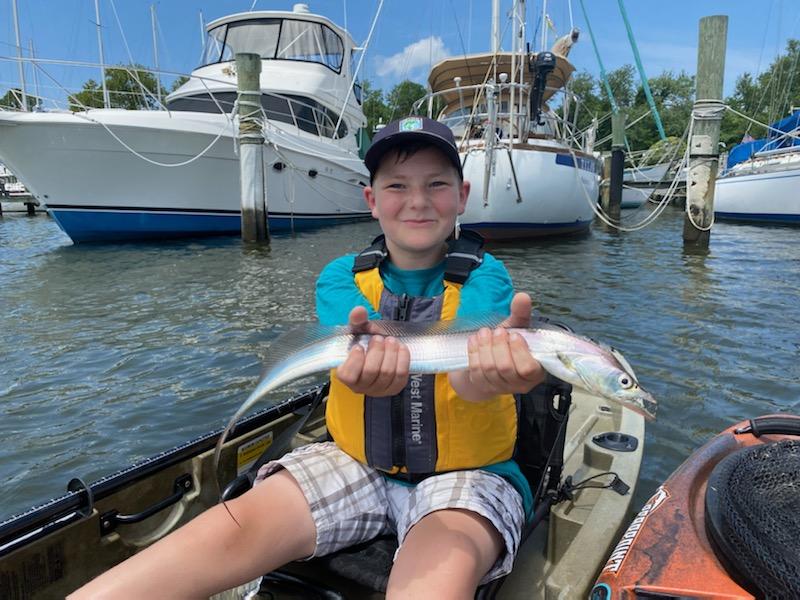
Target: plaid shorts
{"points": [[352, 503]]}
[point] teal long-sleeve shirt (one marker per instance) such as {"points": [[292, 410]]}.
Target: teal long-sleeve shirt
{"points": [[488, 290]]}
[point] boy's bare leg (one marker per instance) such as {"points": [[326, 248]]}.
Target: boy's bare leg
{"points": [[211, 553], [444, 556]]}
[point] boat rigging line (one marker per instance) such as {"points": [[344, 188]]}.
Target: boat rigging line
{"points": [[354, 76]]}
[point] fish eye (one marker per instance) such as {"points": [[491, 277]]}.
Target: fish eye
{"points": [[625, 381]]}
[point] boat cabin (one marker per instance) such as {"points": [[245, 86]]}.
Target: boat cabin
{"points": [[466, 86], [300, 52]]}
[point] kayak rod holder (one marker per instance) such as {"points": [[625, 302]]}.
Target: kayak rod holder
{"points": [[111, 519]]}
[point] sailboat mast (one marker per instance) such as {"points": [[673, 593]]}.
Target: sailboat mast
{"points": [[495, 26], [106, 100], [155, 51], [35, 75], [544, 25], [19, 57]]}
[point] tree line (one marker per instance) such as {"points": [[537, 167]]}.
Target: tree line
{"points": [[766, 97]]}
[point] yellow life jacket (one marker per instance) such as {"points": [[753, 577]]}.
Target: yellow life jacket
{"points": [[427, 428]]}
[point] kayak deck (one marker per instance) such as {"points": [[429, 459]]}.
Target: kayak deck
{"points": [[48, 553]]}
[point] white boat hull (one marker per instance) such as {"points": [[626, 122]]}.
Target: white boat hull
{"points": [[98, 190], [555, 194], [767, 197]]}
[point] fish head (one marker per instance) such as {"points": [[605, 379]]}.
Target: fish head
{"points": [[609, 375], [622, 387]]}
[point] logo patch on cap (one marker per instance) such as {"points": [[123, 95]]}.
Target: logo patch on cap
{"points": [[411, 124]]}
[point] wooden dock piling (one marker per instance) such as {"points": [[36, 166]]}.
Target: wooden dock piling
{"points": [[251, 149], [617, 165], [706, 120]]}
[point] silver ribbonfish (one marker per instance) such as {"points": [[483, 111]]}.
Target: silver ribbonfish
{"points": [[442, 347]]}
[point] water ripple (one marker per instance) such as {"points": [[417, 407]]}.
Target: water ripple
{"points": [[112, 353]]}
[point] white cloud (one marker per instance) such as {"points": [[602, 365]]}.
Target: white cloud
{"points": [[423, 53]]}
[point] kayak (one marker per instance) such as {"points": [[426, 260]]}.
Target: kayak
{"points": [[725, 524], [581, 454]]}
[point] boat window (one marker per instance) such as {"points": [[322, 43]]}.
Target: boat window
{"points": [[312, 42], [310, 115], [215, 40], [283, 39], [257, 36]]}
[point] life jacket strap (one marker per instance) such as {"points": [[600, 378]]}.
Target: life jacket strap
{"points": [[463, 255], [372, 256]]}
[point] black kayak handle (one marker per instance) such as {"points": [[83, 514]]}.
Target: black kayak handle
{"points": [[781, 425], [111, 519]]}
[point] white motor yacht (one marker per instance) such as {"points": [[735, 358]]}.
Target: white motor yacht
{"points": [[114, 174]]}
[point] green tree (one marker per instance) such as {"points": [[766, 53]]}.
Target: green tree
{"points": [[375, 109], [13, 100], [402, 97], [766, 98], [178, 82], [124, 84]]}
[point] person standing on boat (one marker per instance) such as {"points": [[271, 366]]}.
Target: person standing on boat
{"points": [[427, 457]]}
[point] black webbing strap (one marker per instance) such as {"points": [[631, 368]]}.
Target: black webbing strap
{"points": [[463, 255], [372, 256]]}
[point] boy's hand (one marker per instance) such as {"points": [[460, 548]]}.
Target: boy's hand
{"points": [[380, 371], [500, 362]]}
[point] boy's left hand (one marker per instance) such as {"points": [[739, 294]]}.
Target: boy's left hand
{"points": [[500, 362]]}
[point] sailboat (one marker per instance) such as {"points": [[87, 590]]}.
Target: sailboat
{"points": [[530, 176], [111, 174], [761, 178]]}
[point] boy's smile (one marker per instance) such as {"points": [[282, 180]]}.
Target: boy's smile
{"points": [[416, 200]]}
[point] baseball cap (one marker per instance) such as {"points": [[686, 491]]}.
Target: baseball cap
{"points": [[412, 129]]}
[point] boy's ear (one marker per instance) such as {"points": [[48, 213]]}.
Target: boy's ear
{"points": [[369, 198], [463, 194]]}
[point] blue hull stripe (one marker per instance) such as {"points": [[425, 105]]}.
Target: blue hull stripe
{"points": [[509, 230], [111, 226], [759, 217], [586, 164]]}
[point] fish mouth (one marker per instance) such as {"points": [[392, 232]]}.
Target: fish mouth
{"points": [[645, 405]]}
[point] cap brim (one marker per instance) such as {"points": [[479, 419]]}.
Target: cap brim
{"points": [[376, 152]]}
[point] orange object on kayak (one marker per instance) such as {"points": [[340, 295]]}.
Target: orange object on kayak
{"points": [[676, 547]]}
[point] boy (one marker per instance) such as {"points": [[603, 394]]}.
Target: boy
{"points": [[426, 457]]}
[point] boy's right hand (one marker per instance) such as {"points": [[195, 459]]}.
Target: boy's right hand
{"points": [[380, 371]]}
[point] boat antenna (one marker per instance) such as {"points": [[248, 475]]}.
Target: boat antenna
{"points": [[106, 100], [35, 74], [155, 50], [19, 57]]}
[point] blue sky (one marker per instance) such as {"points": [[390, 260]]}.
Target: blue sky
{"points": [[410, 34]]}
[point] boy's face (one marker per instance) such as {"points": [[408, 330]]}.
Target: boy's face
{"points": [[416, 202]]}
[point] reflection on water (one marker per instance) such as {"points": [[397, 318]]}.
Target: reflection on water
{"points": [[111, 353]]}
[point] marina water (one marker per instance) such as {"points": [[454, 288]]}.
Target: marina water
{"points": [[112, 353]]}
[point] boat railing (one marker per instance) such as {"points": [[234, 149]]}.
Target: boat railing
{"points": [[220, 97], [470, 121]]}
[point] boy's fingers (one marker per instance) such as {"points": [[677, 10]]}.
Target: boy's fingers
{"points": [[521, 306], [488, 366], [350, 370], [503, 359], [372, 362]]}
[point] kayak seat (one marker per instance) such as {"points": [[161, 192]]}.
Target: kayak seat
{"points": [[543, 413], [752, 502]]}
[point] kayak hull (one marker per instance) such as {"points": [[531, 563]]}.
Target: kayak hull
{"points": [[666, 551]]}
